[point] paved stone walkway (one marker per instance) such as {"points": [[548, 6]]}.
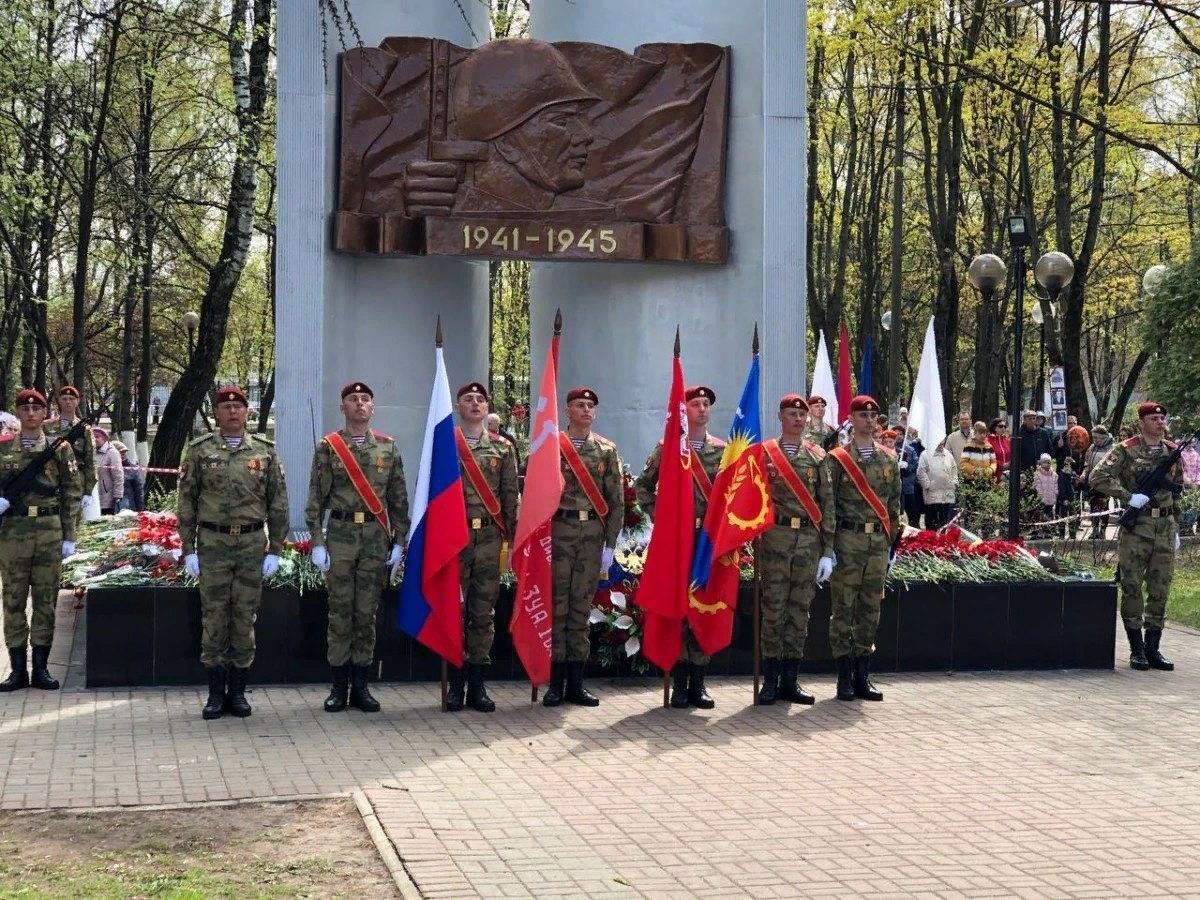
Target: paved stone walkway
{"points": [[1054, 784]]}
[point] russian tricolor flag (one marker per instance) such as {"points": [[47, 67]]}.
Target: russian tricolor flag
{"points": [[430, 595]]}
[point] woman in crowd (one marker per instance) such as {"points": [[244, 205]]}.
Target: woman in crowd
{"points": [[1001, 445], [110, 472], [937, 473], [135, 480], [1045, 483], [1102, 444], [907, 455], [978, 459]]}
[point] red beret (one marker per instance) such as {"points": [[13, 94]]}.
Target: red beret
{"points": [[793, 401], [69, 389], [890, 435], [357, 387], [701, 390], [582, 393], [472, 387], [864, 403], [231, 393], [29, 395], [1150, 408], [817, 398]]}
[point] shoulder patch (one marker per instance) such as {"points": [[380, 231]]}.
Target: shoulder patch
{"points": [[890, 451], [602, 440], [1131, 442], [381, 436], [196, 442], [499, 439], [260, 439]]}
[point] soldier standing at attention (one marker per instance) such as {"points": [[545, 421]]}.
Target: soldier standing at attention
{"points": [[688, 675], [358, 476], [864, 481], [817, 431], [230, 486], [795, 552], [36, 535], [489, 468], [85, 447], [1145, 552], [584, 534]]}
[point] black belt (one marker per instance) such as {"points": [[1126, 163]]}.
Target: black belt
{"points": [[1162, 512], [793, 522], [34, 512], [479, 523], [233, 529], [358, 518], [577, 515], [860, 527]]}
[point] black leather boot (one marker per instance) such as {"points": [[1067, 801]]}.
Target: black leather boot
{"points": [[19, 677], [679, 686], [336, 701], [1153, 657], [39, 677], [215, 705], [788, 689], [455, 689], [845, 684], [477, 695], [1137, 650], [235, 698], [554, 690], [697, 695], [863, 689], [576, 692], [768, 691], [360, 694]]}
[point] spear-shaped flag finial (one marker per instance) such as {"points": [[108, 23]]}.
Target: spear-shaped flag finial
{"points": [[557, 322], [437, 335], [677, 342], [754, 343]]}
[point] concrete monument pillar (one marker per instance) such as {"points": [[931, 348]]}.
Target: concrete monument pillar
{"points": [[620, 319], [340, 317]]}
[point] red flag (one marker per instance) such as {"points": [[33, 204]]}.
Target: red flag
{"points": [[663, 590], [533, 609], [845, 390]]}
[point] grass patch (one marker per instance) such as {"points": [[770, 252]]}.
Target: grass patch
{"points": [[1183, 606]]}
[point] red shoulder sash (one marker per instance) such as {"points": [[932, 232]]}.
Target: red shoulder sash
{"points": [[859, 479], [359, 479], [792, 480]]}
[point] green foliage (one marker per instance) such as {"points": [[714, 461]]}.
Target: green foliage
{"points": [[1173, 329]]}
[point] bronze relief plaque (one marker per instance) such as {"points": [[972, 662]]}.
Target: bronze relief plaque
{"points": [[533, 150]]}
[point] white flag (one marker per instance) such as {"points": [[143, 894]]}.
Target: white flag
{"points": [[925, 409], [822, 383]]}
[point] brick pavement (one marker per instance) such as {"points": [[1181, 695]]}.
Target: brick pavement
{"points": [[1051, 784]]}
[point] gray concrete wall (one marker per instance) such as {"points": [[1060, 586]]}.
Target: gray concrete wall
{"points": [[342, 318], [619, 319]]}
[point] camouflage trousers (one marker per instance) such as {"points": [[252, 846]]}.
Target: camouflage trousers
{"points": [[576, 553], [479, 571], [856, 590], [356, 578], [230, 591], [1146, 557], [30, 558], [789, 571]]}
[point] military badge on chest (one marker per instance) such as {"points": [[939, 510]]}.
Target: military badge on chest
{"points": [[255, 465], [381, 464]]}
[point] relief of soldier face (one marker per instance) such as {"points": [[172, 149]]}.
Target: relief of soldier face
{"points": [[550, 147]]}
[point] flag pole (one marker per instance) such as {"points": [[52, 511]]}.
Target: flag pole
{"points": [[756, 626], [437, 343], [667, 672]]}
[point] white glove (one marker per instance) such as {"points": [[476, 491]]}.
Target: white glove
{"points": [[393, 557], [86, 502], [270, 565], [825, 568], [606, 561], [320, 558], [69, 548], [1178, 542], [191, 565], [4, 505], [903, 464], [1137, 501]]}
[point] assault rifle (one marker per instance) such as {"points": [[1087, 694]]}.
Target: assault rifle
{"points": [[16, 486], [1156, 480]]}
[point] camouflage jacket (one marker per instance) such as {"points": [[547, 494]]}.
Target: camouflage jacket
{"points": [[882, 472], [1128, 461], [600, 458], [329, 485], [818, 433], [220, 486], [85, 450], [808, 463], [57, 483], [497, 460], [647, 483]]}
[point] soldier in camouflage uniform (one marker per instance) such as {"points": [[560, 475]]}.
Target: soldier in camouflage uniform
{"points": [[480, 561], [36, 534], [817, 432], [230, 486], [85, 447], [688, 674], [583, 543], [863, 549], [356, 552], [794, 555], [1145, 552]]}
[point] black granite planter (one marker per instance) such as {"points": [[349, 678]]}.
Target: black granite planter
{"points": [[151, 636]]}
